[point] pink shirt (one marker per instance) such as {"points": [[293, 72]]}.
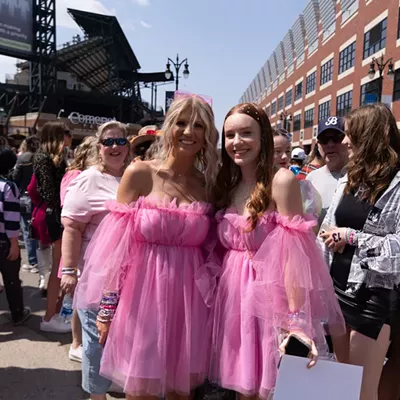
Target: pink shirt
{"points": [[66, 180], [85, 202]]}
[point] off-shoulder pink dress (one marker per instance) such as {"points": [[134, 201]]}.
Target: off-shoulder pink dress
{"points": [[152, 252], [252, 309]]}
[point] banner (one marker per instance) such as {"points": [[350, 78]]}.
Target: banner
{"points": [[169, 98], [16, 26]]}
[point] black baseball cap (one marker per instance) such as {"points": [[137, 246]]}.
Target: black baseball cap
{"points": [[334, 124]]}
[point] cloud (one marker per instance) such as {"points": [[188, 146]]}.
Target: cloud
{"points": [[142, 3], [145, 25], [64, 19], [7, 67]]}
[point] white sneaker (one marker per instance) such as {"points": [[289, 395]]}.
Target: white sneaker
{"points": [[42, 282], [75, 354], [56, 324], [34, 269], [30, 268]]}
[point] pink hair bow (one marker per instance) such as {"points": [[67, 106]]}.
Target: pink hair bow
{"points": [[179, 94]]}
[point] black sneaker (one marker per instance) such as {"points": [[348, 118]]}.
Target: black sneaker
{"points": [[25, 315]]}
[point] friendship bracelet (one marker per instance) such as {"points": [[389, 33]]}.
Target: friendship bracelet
{"points": [[69, 271], [351, 237], [108, 306], [296, 319]]}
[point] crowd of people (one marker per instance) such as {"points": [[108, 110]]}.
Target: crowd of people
{"points": [[192, 267]]}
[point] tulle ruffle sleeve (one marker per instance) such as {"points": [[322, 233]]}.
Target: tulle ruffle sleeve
{"points": [[107, 256], [293, 288]]}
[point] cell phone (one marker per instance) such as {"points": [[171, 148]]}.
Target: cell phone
{"points": [[297, 347]]}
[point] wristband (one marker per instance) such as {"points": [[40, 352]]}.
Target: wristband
{"points": [[69, 271], [108, 306]]}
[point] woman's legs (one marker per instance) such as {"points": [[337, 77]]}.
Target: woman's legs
{"points": [[389, 386], [370, 354], [76, 330], [53, 287]]}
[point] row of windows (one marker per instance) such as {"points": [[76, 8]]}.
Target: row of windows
{"points": [[374, 41]]}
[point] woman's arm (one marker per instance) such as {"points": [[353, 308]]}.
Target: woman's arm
{"points": [[71, 250]]}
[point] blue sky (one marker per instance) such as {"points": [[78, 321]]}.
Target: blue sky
{"points": [[225, 41]]}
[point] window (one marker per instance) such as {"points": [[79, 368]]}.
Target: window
{"points": [[299, 91], [280, 103], [326, 72], [375, 39], [398, 27], [273, 108], [344, 103], [347, 57], [268, 110], [311, 82], [396, 90], [288, 100], [324, 110], [370, 92], [309, 118], [296, 122]]}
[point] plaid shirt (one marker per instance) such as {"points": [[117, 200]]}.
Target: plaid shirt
{"points": [[376, 260]]}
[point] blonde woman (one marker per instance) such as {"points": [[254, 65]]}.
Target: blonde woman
{"points": [[145, 263], [49, 168], [84, 208]]}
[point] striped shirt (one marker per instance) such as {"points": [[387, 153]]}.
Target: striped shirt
{"points": [[9, 210]]}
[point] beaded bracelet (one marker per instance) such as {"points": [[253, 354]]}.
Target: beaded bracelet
{"points": [[108, 306], [296, 319], [351, 238], [69, 271]]}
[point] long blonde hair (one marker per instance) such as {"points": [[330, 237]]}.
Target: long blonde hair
{"points": [[52, 140], [86, 155], [101, 132], [207, 159]]}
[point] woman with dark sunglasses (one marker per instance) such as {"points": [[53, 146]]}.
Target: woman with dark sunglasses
{"points": [[84, 208]]}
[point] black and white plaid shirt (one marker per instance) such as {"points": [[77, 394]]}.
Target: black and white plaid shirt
{"points": [[376, 260]]}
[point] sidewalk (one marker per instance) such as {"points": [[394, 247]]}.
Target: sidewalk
{"points": [[34, 365]]}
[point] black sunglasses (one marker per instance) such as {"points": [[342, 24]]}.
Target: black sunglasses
{"points": [[335, 139], [118, 141]]}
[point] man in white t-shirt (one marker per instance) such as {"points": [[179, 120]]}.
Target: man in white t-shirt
{"points": [[330, 136]]}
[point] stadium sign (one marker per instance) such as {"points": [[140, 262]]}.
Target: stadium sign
{"points": [[76, 118]]}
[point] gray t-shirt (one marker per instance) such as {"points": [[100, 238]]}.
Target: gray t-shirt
{"points": [[325, 183]]}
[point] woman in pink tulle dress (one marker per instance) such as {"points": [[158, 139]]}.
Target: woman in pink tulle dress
{"points": [[146, 264], [275, 282]]}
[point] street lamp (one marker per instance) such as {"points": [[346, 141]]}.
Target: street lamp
{"points": [[381, 65], [177, 65]]}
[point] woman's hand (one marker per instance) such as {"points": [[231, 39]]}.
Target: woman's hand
{"points": [[68, 283], [313, 355], [103, 328], [335, 238]]}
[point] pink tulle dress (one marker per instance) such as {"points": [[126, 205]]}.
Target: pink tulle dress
{"points": [[252, 307], [152, 252]]}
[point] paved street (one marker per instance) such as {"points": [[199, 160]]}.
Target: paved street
{"points": [[34, 365]]}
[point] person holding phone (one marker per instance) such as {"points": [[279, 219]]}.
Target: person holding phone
{"points": [[275, 287]]}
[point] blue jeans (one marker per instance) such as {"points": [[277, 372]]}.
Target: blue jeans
{"points": [[30, 244], [92, 381]]}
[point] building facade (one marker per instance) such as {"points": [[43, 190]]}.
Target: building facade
{"points": [[321, 67]]}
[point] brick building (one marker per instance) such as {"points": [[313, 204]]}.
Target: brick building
{"points": [[321, 67]]}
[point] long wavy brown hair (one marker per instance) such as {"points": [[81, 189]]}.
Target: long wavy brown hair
{"points": [[375, 140], [230, 174], [52, 140]]}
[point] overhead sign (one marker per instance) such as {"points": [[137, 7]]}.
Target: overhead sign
{"points": [[16, 26], [169, 98], [76, 118]]}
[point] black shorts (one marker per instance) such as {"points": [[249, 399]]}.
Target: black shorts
{"points": [[369, 309]]}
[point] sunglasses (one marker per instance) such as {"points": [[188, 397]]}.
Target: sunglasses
{"points": [[111, 141], [335, 139]]}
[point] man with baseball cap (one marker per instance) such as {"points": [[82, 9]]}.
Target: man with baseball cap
{"points": [[297, 158], [330, 136]]}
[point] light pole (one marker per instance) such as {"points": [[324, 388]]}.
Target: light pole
{"points": [[177, 65], [381, 65]]}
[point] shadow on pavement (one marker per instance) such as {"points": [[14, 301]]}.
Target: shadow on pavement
{"points": [[40, 384]]}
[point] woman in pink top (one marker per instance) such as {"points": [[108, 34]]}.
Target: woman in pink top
{"points": [[84, 208]]}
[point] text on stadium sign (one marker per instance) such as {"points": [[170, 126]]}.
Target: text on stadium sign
{"points": [[76, 118]]}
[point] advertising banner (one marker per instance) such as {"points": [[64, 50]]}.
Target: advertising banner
{"points": [[16, 26]]}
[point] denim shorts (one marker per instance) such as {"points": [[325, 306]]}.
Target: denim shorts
{"points": [[92, 381]]}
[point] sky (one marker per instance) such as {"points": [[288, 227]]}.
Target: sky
{"points": [[226, 42]]}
